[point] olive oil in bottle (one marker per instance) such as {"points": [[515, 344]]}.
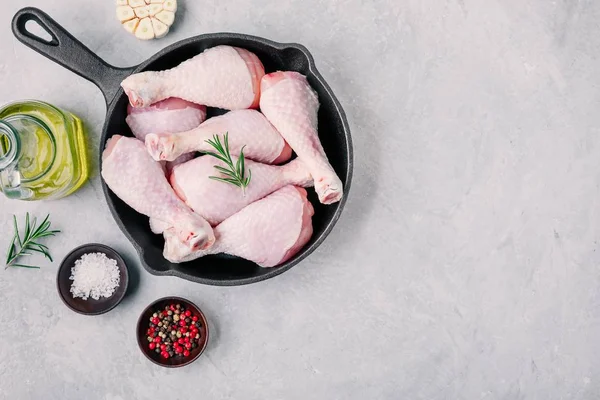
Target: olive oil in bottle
{"points": [[42, 151]]}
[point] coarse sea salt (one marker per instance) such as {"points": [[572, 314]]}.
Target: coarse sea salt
{"points": [[94, 275]]}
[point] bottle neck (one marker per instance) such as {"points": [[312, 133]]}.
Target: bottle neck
{"points": [[10, 144]]}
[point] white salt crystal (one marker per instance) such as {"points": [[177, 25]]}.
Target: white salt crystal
{"points": [[94, 275]]}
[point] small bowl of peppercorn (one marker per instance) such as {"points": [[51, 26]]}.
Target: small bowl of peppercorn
{"points": [[172, 332]]}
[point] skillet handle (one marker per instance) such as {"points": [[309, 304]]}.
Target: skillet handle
{"points": [[69, 52]]}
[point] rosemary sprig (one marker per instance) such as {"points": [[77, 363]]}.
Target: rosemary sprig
{"points": [[23, 246], [235, 173]]}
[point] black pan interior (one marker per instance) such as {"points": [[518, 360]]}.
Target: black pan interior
{"points": [[333, 132]]}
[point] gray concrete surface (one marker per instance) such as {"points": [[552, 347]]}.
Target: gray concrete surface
{"points": [[465, 266]]}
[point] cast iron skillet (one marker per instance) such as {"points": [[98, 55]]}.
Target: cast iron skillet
{"points": [[224, 270]]}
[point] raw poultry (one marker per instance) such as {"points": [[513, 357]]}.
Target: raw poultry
{"points": [[140, 182], [259, 211], [223, 76], [245, 127], [216, 202], [291, 105], [280, 223]]}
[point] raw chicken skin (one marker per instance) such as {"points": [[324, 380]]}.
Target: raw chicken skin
{"points": [[223, 76], [171, 115], [140, 182], [267, 232], [245, 127], [291, 105], [217, 201]]}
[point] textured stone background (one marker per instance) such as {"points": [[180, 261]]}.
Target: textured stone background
{"points": [[465, 266]]}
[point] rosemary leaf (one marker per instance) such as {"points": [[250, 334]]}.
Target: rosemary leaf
{"points": [[239, 166], [227, 148], [218, 157], [43, 226], [11, 251], [42, 246], [225, 171], [28, 243], [27, 227], [23, 266], [227, 180], [17, 231], [41, 251], [46, 234], [37, 250], [235, 173]]}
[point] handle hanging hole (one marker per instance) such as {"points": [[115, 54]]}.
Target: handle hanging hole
{"points": [[33, 29]]}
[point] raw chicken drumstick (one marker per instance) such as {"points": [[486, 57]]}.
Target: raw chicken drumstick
{"points": [[223, 76], [170, 115], [217, 201], [245, 127], [267, 232], [140, 182], [291, 105]]}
